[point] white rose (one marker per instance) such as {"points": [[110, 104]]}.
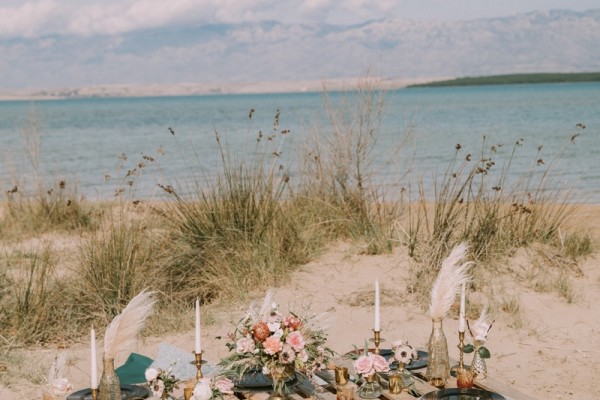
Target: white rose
{"points": [[203, 391], [245, 345], [151, 374]]}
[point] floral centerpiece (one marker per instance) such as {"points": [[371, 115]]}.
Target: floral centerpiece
{"points": [[277, 344], [161, 382], [212, 388]]}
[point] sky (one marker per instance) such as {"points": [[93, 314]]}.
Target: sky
{"points": [[37, 18], [75, 43]]}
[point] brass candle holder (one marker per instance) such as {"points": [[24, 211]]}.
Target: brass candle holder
{"points": [[461, 347], [198, 362], [377, 340], [95, 394]]}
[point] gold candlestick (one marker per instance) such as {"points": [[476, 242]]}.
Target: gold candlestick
{"points": [[461, 347], [95, 394], [377, 340], [198, 357]]}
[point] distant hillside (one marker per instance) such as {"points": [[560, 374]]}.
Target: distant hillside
{"points": [[516, 79]]}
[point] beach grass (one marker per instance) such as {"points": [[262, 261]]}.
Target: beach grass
{"points": [[248, 225]]}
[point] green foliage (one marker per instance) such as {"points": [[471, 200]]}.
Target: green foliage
{"points": [[116, 263], [552, 77]]}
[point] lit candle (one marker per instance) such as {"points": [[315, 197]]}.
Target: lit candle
{"points": [[93, 363], [461, 317], [198, 347], [377, 326]]}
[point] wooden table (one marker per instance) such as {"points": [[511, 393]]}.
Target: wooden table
{"points": [[303, 389]]}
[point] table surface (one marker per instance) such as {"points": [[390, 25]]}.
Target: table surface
{"points": [[304, 389]]}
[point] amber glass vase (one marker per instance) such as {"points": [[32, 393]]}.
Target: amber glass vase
{"points": [[109, 387], [438, 366]]}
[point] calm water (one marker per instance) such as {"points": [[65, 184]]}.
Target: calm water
{"points": [[82, 140]]}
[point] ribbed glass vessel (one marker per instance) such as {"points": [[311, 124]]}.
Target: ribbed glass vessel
{"points": [[370, 389], [109, 387], [438, 366], [478, 365]]}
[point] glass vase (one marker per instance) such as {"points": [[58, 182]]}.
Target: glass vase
{"points": [[279, 377], [370, 389], [438, 365], [478, 366], [109, 387]]}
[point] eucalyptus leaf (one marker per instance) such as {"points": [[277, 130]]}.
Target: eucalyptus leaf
{"points": [[484, 352], [468, 348]]}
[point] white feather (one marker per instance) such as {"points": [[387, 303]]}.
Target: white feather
{"points": [[124, 328], [448, 282]]}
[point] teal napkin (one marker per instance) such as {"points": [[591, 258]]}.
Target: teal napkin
{"points": [[133, 370]]}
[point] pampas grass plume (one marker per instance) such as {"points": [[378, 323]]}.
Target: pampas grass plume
{"points": [[124, 328], [448, 282]]}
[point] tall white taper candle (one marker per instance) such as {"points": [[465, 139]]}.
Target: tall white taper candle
{"points": [[94, 362], [377, 326], [198, 347], [461, 316]]}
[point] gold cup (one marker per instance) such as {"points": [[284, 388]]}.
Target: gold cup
{"points": [[187, 393], [395, 382]]}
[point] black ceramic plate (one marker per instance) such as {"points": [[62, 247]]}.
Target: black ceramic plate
{"points": [[421, 362], [258, 380], [127, 392], [462, 394]]}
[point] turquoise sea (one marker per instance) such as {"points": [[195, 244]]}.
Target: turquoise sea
{"points": [[83, 140]]}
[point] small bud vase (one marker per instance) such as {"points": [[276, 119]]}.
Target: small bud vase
{"points": [[109, 387], [370, 389], [478, 366], [438, 366]]}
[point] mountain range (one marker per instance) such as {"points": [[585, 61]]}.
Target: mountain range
{"points": [[553, 41]]}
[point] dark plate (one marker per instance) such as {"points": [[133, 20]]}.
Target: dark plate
{"points": [[462, 394], [421, 362], [258, 380], [127, 392]]}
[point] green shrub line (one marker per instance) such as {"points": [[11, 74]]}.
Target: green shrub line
{"points": [[512, 79]]}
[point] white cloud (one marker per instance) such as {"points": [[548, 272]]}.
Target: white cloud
{"points": [[28, 19], [39, 17]]}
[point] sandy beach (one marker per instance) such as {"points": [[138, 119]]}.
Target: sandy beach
{"points": [[552, 353], [196, 89]]}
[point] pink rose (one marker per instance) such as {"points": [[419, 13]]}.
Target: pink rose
{"points": [[296, 340], [380, 364], [364, 366], [224, 385], [272, 345], [245, 345]]}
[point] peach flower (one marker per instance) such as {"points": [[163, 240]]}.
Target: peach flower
{"points": [[261, 331], [272, 345]]}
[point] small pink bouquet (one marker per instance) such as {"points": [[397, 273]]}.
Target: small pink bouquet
{"points": [[370, 364]]}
